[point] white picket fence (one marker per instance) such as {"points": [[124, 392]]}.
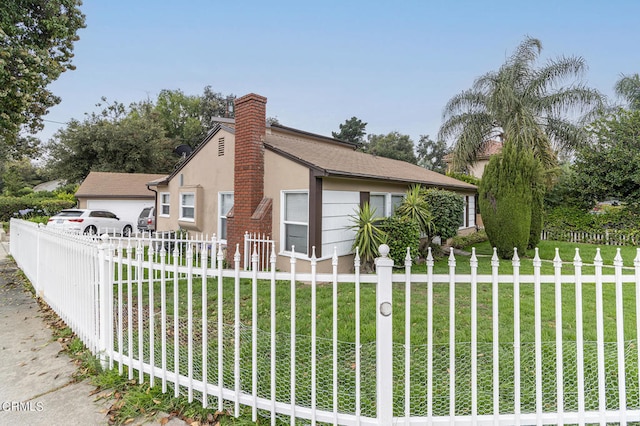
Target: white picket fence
{"points": [[351, 349], [609, 238], [260, 244]]}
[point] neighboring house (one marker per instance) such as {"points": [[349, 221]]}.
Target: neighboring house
{"points": [[51, 185], [125, 194], [299, 187], [477, 169]]}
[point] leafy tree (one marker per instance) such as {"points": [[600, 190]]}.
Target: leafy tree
{"points": [[18, 175], [115, 140], [506, 198], [392, 145], [36, 46], [610, 168], [180, 116], [353, 130], [525, 102], [431, 154], [215, 104], [628, 88]]}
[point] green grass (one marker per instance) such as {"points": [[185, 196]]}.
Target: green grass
{"points": [[419, 310]]}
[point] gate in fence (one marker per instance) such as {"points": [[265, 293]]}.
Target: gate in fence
{"points": [[557, 344]]}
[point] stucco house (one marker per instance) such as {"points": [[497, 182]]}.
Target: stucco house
{"points": [[491, 147], [298, 187], [125, 194]]}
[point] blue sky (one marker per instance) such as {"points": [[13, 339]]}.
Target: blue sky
{"points": [[394, 65]]}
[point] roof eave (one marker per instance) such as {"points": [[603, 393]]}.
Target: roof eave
{"points": [[335, 173]]}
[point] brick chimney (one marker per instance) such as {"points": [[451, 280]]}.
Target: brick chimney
{"points": [[251, 210]]}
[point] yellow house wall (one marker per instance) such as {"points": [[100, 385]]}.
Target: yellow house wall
{"points": [[206, 174], [281, 174]]}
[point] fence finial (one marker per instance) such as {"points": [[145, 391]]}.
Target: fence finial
{"points": [[407, 258], [356, 259], [384, 250], [557, 262], [598, 259], [495, 261], [537, 263], [515, 261], [473, 261], [617, 260], [452, 258]]}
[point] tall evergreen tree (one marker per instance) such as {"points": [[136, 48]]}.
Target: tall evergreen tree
{"points": [[353, 130], [506, 198]]}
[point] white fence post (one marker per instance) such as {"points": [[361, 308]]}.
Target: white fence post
{"points": [[104, 274], [384, 338]]}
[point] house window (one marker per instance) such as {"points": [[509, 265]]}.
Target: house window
{"points": [[220, 147], [378, 202], [295, 222], [469, 212], [385, 204], [225, 203], [472, 210], [187, 206], [164, 204], [396, 200]]}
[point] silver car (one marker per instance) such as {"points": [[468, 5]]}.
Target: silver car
{"points": [[147, 220], [93, 222]]}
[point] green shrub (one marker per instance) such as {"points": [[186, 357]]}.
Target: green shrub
{"points": [[53, 206], [416, 208], [12, 206], [368, 236], [446, 209], [464, 177], [506, 198], [402, 232], [460, 242], [537, 205]]}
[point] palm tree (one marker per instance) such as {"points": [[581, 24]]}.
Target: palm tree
{"points": [[523, 103], [628, 88]]}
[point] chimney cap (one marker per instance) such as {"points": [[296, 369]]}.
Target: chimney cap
{"points": [[250, 97]]}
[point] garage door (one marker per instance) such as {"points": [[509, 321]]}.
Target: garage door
{"points": [[124, 209]]}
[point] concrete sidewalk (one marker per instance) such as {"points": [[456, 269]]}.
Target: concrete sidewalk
{"points": [[36, 383]]}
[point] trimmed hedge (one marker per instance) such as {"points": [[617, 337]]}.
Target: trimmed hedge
{"points": [[402, 232], [446, 208], [11, 206]]}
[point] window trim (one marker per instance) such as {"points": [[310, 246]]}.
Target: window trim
{"points": [[220, 215], [182, 206], [283, 222], [163, 204]]}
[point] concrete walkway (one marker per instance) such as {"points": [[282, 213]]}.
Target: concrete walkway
{"points": [[36, 383]]}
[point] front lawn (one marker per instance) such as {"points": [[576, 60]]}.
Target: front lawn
{"points": [[346, 333]]}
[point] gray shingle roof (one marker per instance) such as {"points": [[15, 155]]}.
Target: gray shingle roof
{"points": [[337, 159], [117, 185]]}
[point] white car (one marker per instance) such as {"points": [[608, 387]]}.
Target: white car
{"points": [[92, 222]]}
